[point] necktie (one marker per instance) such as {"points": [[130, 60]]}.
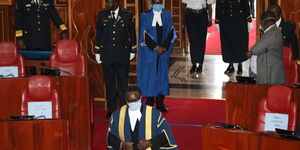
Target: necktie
{"points": [[113, 16]]}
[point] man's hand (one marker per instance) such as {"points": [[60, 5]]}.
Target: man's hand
{"points": [[127, 145], [64, 36], [209, 23], [248, 54], [144, 144], [20, 44], [160, 50]]}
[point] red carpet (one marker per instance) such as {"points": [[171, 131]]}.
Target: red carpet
{"points": [[185, 117], [213, 44]]}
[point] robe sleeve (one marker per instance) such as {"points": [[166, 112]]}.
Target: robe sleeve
{"points": [[150, 42], [113, 141], [163, 126], [166, 44], [158, 141]]}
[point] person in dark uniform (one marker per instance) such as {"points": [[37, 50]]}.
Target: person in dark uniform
{"points": [[115, 39], [156, 37], [197, 18], [33, 24], [233, 20], [288, 31]]}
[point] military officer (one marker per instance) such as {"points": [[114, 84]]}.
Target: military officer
{"points": [[198, 17], [33, 24], [288, 30], [233, 19], [115, 39]]}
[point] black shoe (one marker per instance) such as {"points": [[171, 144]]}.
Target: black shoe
{"points": [[193, 69], [162, 108], [108, 115], [199, 69], [240, 69], [230, 69]]}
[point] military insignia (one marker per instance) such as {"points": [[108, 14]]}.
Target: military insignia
{"points": [[121, 20], [105, 20], [280, 28], [122, 25], [45, 5], [32, 2], [28, 5]]}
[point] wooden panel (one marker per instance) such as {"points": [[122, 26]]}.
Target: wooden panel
{"points": [[61, 2], [224, 139], [7, 23], [75, 105], [242, 102], [271, 142], [35, 134]]}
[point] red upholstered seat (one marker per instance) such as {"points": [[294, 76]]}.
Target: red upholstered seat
{"points": [[68, 59], [39, 89], [278, 100], [291, 67], [10, 57]]}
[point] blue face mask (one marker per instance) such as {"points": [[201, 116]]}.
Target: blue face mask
{"points": [[135, 105], [157, 7]]}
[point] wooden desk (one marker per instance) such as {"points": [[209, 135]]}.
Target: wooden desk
{"points": [[34, 135], [75, 105], [214, 138], [242, 102]]}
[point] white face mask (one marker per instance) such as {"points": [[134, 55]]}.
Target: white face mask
{"points": [[135, 105]]}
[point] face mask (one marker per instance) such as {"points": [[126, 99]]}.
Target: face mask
{"points": [[135, 105], [157, 7]]}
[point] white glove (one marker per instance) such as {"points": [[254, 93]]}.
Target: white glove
{"points": [[250, 26], [98, 59], [132, 55], [217, 27]]}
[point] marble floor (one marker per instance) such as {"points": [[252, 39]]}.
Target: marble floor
{"points": [[209, 85]]}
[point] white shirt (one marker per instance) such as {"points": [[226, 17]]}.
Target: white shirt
{"points": [[197, 4], [268, 28], [134, 116], [157, 18], [278, 22], [116, 13]]}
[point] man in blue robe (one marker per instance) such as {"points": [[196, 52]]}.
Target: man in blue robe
{"points": [[156, 37], [138, 126]]}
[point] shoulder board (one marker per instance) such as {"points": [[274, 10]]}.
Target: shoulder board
{"points": [[124, 9], [102, 10]]}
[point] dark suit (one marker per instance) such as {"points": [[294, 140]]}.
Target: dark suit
{"points": [[115, 39], [33, 23], [288, 31], [232, 16]]}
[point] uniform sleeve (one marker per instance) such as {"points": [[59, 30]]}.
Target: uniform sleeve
{"points": [[246, 10], [98, 33], [209, 2], [294, 42], [166, 44], [113, 141], [218, 11], [132, 33], [56, 18], [184, 1], [19, 19]]}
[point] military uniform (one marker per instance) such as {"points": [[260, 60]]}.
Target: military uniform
{"points": [[115, 39], [33, 23], [232, 16], [288, 31]]}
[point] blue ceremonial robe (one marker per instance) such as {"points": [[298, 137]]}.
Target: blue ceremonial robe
{"points": [[152, 124], [153, 72]]}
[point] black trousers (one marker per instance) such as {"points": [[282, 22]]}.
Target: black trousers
{"points": [[196, 24], [115, 74]]}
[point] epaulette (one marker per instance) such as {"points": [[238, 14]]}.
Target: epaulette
{"points": [[102, 10], [124, 9]]}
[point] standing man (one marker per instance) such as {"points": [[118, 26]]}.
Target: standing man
{"points": [[115, 39], [269, 52], [288, 31], [233, 20], [198, 17], [156, 37], [33, 24], [137, 126]]}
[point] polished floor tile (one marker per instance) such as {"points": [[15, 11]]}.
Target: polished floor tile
{"points": [[209, 85]]}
